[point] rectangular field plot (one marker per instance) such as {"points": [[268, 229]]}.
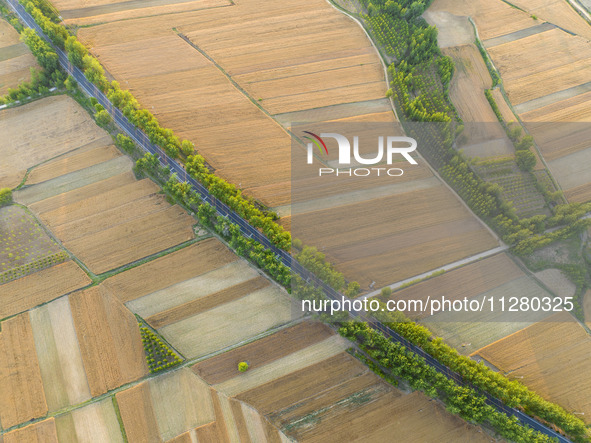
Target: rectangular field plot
{"points": [[41, 130], [551, 358], [21, 389], [105, 217], [469, 331], [230, 323], [166, 406], [89, 424], [41, 432], [42, 286], [109, 339], [58, 352], [15, 59], [192, 261]]}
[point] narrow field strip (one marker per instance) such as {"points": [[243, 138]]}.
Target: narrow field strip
{"points": [[196, 288], [203, 304]]}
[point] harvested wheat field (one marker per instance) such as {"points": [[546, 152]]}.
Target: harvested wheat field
{"points": [[306, 73], [558, 12], [43, 129], [109, 339], [166, 407], [470, 331], [212, 300], [312, 381], [104, 216], [493, 18], [41, 432], [267, 62], [21, 393], [194, 260], [552, 358], [82, 158], [42, 286], [90, 424], [366, 249], [16, 59], [58, 352], [468, 281]]}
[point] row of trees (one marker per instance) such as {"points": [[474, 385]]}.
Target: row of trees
{"points": [[510, 392], [398, 362]]}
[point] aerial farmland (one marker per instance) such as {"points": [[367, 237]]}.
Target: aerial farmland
{"points": [[164, 223]]}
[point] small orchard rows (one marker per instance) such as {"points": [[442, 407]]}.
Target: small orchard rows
{"points": [[158, 355]]}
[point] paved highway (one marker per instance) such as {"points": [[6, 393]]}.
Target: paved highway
{"points": [[143, 141]]}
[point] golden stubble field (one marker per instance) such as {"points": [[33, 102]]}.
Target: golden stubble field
{"points": [[100, 212], [16, 59], [60, 125], [551, 358]]}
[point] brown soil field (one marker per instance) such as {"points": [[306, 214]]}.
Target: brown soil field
{"points": [[551, 358], [468, 281], [21, 392], [42, 286], [580, 194], [74, 128], [8, 35], [58, 352], [166, 271], [470, 331], [203, 304], [345, 401], [89, 424], [109, 338], [280, 66], [79, 159], [557, 12], [15, 58], [88, 195], [410, 417], [41, 432], [137, 414], [365, 249], [77, 179], [134, 239], [87, 201], [261, 352]]}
